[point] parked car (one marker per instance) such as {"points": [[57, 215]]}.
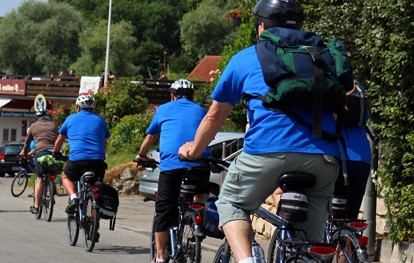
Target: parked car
{"points": [[9, 159], [224, 145]]}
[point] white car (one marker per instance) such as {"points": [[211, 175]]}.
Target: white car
{"points": [[224, 145]]}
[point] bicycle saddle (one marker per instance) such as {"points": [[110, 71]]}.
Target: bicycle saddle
{"points": [[88, 177], [296, 181]]}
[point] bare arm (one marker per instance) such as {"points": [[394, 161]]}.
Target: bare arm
{"points": [[149, 140], [209, 126], [59, 142]]}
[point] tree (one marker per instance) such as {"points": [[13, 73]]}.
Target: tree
{"points": [[93, 44], [47, 38], [204, 30]]}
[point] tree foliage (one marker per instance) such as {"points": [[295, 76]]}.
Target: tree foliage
{"points": [[41, 38], [93, 44], [203, 30]]}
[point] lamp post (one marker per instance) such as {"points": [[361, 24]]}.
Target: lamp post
{"points": [[108, 44], [165, 64]]}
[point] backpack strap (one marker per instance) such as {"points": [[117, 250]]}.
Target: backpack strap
{"points": [[318, 93]]}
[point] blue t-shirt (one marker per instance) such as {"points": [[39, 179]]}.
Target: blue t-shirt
{"points": [[86, 132], [357, 144], [270, 131], [176, 122]]}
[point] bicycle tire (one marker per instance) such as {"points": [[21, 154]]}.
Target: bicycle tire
{"points": [[19, 183], [90, 223], [190, 244], [73, 228], [218, 257], [349, 253], [48, 200]]}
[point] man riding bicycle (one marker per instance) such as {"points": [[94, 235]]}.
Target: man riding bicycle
{"points": [[274, 143], [44, 133], [87, 134], [174, 123]]}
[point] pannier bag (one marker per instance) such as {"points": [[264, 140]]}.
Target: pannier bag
{"points": [[293, 207], [211, 220], [108, 202]]}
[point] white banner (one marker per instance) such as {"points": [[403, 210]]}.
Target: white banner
{"points": [[88, 84]]}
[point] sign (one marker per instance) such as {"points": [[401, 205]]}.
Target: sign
{"points": [[14, 87], [17, 114], [89, 84], [40, 103]]}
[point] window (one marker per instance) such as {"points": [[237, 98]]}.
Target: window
{"points": [[13, 136], [24, 128], [5, 135]]}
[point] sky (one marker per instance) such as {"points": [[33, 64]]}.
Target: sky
{"points": [[6, 6]]}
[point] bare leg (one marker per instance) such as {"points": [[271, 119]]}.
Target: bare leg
{"points": [[161, 241], [276, 196], [38, 191], [68, 184], [239, 234]]}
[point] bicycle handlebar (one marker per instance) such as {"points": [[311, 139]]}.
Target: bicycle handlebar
{"points": [[215, 165], [151, 164]]}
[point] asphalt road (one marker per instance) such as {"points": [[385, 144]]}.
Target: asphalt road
{"points": [[25, 239]]}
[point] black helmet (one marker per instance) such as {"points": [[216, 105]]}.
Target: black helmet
{"points": [[281, 13]]}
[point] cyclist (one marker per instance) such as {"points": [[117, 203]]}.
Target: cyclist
{"points": [[44, 133], [87, 134], [174, 123], [274, 143]]}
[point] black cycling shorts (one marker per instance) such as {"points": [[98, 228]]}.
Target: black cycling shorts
{"points": [[75, 169], [166, 206]]}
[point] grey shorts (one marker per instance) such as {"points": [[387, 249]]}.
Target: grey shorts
{"points": [[252, 178]]}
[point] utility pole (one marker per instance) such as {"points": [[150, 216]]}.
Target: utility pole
{"points": [[108, 38]]}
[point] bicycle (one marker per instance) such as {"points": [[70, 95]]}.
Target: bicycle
{"points": [[21, 179], [50, 168], [88, 213], [285, 246], [346, 233], [184, 245]]}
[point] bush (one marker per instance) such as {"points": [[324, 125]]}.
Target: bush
{"points": [[129, 133]]}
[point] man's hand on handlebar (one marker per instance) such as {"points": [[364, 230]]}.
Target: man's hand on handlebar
{"points": [[144, 161], [57, 156]]}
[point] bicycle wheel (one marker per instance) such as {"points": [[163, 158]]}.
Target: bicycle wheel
{"points": [[73, 228], [190, 244], [48, 200], [19, 183], [224, 254], [346, 251], [90, 223]]}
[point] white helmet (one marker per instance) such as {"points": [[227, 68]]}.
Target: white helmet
{"points": [[86, 101], [181, 88], [42, 112]]}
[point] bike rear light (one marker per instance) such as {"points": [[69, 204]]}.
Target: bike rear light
{"points": [[363, 241], [322, 253], [198, 219], [96, 196], [358, 226], [52, 177]]}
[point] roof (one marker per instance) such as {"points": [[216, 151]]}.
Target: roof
{"points": [[201, 72]]}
